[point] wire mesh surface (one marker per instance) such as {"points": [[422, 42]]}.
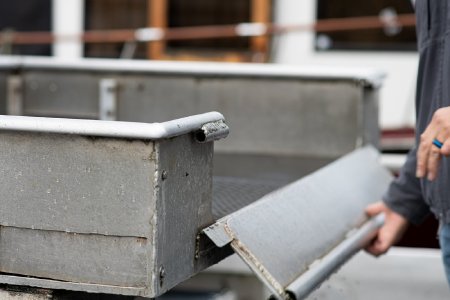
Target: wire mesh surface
{"points": [[241, 179], [233, 193]]}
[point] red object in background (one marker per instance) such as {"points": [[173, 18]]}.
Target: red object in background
{"points": [[397, 140]]}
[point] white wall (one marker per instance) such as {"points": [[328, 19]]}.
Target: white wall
{"points": [[397, 94]]}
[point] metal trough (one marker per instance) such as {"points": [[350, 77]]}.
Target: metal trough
{"points": [[275, 110], [107, 207]]}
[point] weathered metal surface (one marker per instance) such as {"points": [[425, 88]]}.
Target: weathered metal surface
{"points": [[62, 94], [105, 215], [76, 184], [312, 111], [73, 286], [316, 104], [75, 257], [182, 212], [327, 204]]}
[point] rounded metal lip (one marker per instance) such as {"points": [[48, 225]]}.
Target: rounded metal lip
{"points": [[114, 129], [365, 76]]}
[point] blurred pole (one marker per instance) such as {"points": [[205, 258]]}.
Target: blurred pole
{"points": [[157, 11], [68, 19]]}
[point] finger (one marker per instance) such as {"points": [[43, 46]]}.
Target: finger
{"points": [[445, 150], [377, 248], [435, 154], [443, 137], [433, 163], [375, 209], [426, 140]]}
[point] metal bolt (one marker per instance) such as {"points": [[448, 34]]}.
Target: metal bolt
{"points": [[162, 275], [164, 175]]}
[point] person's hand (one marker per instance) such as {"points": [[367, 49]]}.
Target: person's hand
{"points": [[428, 154], [390, 233]]}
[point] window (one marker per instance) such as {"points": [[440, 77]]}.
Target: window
{"points": [[114, 14], [389, 38], [133, 14], [25, 15]]}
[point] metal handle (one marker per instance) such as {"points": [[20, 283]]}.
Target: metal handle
{"points": [[312, 278]]}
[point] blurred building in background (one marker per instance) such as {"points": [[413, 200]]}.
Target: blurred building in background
{"points": [[391, 48]]}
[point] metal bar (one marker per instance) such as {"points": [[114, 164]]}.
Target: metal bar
{"points": [[322, 269], [108, 99], [113, 129], [14, 98], [207, 32]]}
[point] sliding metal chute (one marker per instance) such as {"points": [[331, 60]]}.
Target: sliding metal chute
{"points": [[296, 237]]}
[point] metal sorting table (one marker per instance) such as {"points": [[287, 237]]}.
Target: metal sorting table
{"points": [[286, 123]]}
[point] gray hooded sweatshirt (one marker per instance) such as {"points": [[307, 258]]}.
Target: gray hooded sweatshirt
{"points": [[409, 196]]}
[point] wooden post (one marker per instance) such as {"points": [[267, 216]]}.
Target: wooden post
{"points": [[156, 17], [260, 11]]}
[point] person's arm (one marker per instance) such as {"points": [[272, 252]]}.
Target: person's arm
{"points": [[404, 195], [402, 204]]}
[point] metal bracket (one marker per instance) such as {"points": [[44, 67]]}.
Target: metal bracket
{"points": [[14, 99], [108, 99], [212, 131]]}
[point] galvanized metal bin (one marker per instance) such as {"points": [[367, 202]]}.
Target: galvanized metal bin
{"points": [[276, 110], [99, 206]]}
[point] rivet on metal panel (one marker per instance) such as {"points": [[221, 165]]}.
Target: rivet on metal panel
{"points": [[162, 275], [164, 175]]}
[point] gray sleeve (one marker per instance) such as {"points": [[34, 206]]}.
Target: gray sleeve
{"points": [[404, 195]]}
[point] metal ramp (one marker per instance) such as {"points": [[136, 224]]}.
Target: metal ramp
{"points": [[295, 237]]}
